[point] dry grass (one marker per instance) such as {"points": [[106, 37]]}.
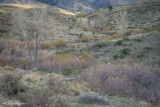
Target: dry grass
{"points": [[60, 43], [107, 28], [95, 30], [157, 28], [12, 54], [66, 12], [84, 38], [133, 32], [46, 45], [24, 6], [59, 63], [114, 36]]}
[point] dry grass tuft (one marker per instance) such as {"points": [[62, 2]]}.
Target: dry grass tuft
{"points": [[84, 38], [114, 36], [60, 43]]}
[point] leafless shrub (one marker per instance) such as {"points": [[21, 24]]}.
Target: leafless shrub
{"points": [[10, 83], [57, 85], [59, 63], [125, 80]]}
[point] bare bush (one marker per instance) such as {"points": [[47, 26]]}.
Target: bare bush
{"points": [[10, 83], [84, 38], [125, 80], [60, 43], [57, 85], [59, 63]]}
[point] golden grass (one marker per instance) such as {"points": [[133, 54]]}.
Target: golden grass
{"points": [[31, 76], [24, 6], [29, 6], [66, 12], [60, 43], [114, 36]]}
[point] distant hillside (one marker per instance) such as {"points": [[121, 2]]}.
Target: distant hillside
{"points": [[74, 5]]}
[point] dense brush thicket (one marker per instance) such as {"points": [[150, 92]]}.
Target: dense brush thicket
{"points": [[125, 80]]}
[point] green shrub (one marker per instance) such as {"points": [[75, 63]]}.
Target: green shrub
{"points": [[69, 70], [120, 42], [3, 31], [9, 68], [70, 27], [125, 52], [115, 57], [92, 97], [101, 44]]}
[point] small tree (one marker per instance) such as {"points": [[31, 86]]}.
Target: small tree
{"points": [[110, 8], [122, 21], [39, 20], [20, 26], [102, 18]]}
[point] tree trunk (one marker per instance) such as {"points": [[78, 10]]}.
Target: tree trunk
{"points": [[36, 49], [29, 48]]}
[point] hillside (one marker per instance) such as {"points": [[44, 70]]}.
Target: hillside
{"points": [[75, 5], [51, 57]]}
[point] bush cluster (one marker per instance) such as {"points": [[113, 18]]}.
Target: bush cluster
{"points": [[101, 44], [57, 85], [92, 97], [60, 43], [69, 70], [125, 80], [84, 38], [10, 83], [60, 62], [120, 42], [114, 36], [11, 55]]}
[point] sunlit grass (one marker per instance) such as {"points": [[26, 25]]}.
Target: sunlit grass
{"points": [[24, 6], [29, 6], [66, 12]]}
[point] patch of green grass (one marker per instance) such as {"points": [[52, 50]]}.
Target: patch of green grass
{"points": [[101, 44], [115, 56], [70, 27], [120, 42], [125, 52], [9, 68], [69, 70], [3, 31]]}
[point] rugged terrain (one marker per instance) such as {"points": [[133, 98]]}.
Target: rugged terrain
{"points": [[84, 60]]}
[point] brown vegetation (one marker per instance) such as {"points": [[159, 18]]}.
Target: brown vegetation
{"points": [[134, 81], [114, 36], [84, 38], [60, 43], [107, 28], [46, 45], [59, 63], [134, 32]]}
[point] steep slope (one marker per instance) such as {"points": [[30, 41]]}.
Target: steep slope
{"points": [[144, 14]]}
